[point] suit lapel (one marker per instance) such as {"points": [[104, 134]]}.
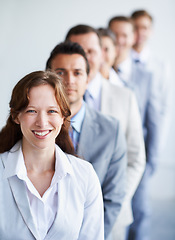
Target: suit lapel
{"points": [[18, 190], [137, 72], [134, 77], [89, 131]]}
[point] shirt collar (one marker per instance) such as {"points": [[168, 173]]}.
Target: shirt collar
{"points": [[15, 164], [125, 69], [143, 56], [77, 119], [62, 165], [114, 78], [94, 86]]}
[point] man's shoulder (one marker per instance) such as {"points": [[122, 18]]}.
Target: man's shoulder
{"points": [[117, 92], [106, 86], [105, 121]]}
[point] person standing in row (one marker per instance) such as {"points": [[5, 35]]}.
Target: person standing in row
{"points": [[97, 138], [45, 191], [118, 102], [146, 58], [149, 100]]}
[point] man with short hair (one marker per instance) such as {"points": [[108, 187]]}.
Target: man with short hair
{"points": [[96, 138], [122, 27], [143, 29], [146, 58], [149, 100], [118, 102]]}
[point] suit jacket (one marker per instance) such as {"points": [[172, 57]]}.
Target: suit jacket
{"points": [[150, 105], [77, 193], [120, 103], [103, 144], [161, 75], [163, 82]]}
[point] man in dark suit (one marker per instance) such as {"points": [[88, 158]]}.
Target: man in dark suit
{"points": [[97, 138]]}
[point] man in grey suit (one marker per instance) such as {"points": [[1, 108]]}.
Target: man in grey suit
{"points": [[120, 103], [152, 115], [98, 139], [147, 59]]}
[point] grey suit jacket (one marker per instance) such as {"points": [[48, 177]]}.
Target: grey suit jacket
{"points": [[150, 106], [163, 83], [121, 103], [103, 144]]}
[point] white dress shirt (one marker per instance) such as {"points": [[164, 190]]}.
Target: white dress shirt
{"points": [[94, 91], [83, 217], [125, 70], [143, 56], [114, 78]]}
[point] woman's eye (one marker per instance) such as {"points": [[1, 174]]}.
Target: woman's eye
{"points": [[52, 111], [30, 111]]}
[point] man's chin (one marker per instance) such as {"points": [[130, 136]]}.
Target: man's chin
{"points": [[71, 100]]}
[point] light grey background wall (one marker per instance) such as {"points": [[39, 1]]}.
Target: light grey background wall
{"points": [[29, 30]]}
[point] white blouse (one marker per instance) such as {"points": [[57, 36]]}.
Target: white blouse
{"points": [[71, 208]]}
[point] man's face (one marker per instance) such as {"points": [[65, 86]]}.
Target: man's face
{"points": [[91, 45], [124, 35], [72, 69], [143, 27]]}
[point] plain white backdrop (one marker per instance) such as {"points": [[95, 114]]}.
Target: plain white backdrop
{"points": [[30, 29]]}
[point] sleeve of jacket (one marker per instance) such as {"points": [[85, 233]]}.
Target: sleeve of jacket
{"points": [[135, 148], [113, 187], [154, 126]]}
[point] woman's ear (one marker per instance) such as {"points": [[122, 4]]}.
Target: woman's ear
{"points": [[14, 116], [16, 120]]}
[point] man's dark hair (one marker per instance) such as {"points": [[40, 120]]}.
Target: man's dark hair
{"points": [[120, 19], [82, 29], [106, 32], [69, 48], [141, 13]]}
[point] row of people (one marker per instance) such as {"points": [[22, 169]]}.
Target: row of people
{"points": [[53, 194], [137, 68]]}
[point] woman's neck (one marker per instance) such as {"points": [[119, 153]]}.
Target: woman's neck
{"points": [[39, 160]]}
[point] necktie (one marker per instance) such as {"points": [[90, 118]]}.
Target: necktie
{"points": [[137, 61], [72, 133], [118, 70], [89, 99]]}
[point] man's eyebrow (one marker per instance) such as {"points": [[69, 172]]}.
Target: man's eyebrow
{"points": [[78, 69], [63, 69]]}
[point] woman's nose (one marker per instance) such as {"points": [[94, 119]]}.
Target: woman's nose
{"points": [[42, 120]]}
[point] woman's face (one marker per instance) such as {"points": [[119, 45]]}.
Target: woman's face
{"points": [[109, 50], [42, 120]]}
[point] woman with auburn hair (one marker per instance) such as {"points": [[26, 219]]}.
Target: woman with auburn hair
{"points": [[45, 191]]}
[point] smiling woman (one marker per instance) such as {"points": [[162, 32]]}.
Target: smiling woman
{"points": [[42, 119], [19, 103], [42, 184]]}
